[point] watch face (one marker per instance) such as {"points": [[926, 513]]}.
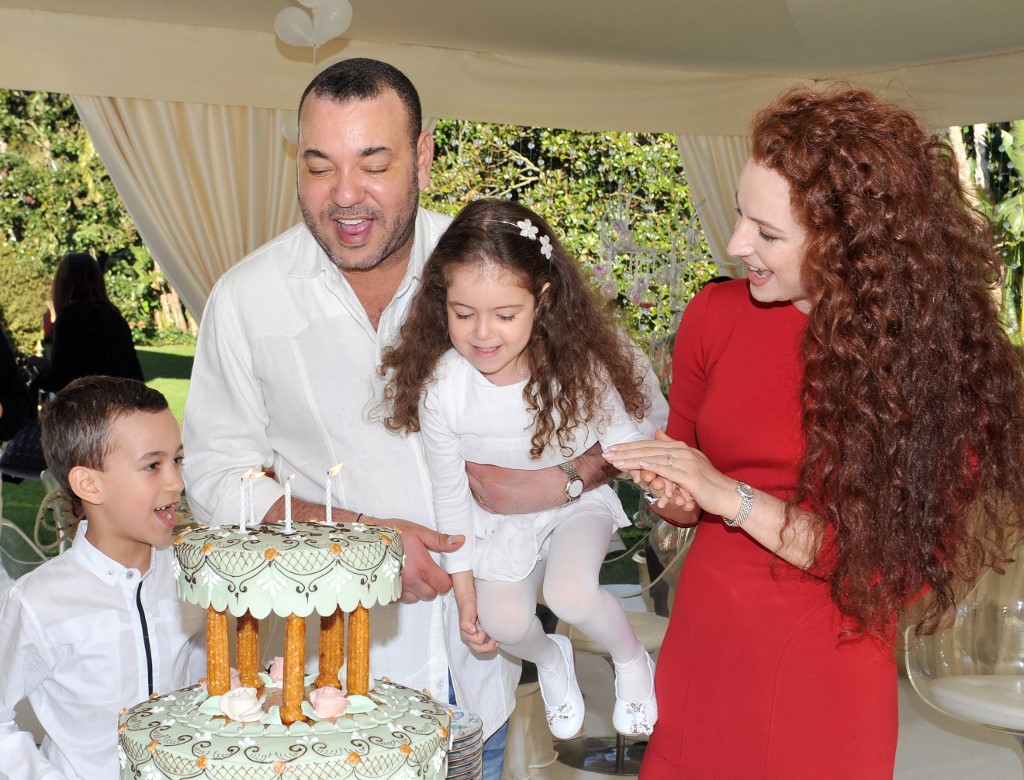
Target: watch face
{"points": [[575, 488]]}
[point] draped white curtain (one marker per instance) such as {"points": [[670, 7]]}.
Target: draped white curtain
{"points": [[712, 164], [205, 184]]}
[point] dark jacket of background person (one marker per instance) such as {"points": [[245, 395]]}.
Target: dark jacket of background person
{"points": [[14, 396], [90, 336]]}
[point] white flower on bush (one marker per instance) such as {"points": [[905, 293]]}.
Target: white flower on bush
{"points": [[242, 704]]}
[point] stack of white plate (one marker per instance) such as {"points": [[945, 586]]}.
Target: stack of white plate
{"points": [[465, 759]]}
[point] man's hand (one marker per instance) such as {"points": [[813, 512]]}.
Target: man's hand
{"points": [[522, 491], [422, 578]]}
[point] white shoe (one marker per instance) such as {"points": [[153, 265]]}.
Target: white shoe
{"points": [[565, 719], [636, 718]]}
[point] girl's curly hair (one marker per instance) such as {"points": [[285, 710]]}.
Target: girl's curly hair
{"points": [[574, 350], [913, 397]]}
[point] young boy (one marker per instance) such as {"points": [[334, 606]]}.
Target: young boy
{"points": [[99, 627]]}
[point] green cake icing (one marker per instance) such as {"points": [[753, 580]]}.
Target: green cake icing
{"points": [[316, 568], [404, 736], [392, 733]]}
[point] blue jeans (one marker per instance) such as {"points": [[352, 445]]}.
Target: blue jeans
{"points": [[494, 745]]}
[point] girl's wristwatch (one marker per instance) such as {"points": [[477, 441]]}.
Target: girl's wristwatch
{"points": [[574, 485]]}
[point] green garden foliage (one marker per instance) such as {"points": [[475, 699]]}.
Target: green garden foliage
{"points": [[582, 182], [24, 290], [56, 197], [996, 168]]}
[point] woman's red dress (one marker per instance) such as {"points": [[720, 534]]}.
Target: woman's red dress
{"points": [[756, 677]]}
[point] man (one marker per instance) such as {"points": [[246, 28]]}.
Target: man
{"points": [[285, 376]]}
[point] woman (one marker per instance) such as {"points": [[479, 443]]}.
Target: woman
{"points": [[15, 405], [847, 425], [89, 335]]}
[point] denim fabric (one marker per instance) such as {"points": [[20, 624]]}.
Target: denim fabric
{"points": [[494, 745]]}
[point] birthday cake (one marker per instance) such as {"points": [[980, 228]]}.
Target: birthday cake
{"points": [[248, 724]]}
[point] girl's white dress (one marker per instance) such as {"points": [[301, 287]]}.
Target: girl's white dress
{"points": [[463, 417]]}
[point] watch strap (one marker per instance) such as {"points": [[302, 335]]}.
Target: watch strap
{"points": [[572, 478], [746, 504]]}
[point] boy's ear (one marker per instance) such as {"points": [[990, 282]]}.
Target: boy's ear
{"points": [[84, 484]]}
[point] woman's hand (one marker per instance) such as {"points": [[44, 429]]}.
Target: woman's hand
{"points": [[712, 491], [677, 474]]}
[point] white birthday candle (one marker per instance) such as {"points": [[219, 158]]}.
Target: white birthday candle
{"points": [[241, 501], [288, 504], [253, 476], [327, 500]]}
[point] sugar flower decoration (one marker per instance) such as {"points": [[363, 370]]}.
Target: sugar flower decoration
{"points": [[242, 704], [277, 670], [328, 702], [528, 229]]}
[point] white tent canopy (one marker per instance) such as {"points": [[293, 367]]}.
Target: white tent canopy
{"points": [[171, 89]]}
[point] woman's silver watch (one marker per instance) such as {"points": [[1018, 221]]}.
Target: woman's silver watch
{"points": [[747, 495]]}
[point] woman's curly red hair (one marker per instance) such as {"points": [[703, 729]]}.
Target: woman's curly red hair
{"points": [[913, 397], [575, 349]]}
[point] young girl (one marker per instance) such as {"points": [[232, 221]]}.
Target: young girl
{"points": [[507, 358]]}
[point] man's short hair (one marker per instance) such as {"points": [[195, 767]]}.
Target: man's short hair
{"points": [[76, 424], [360, 78]]}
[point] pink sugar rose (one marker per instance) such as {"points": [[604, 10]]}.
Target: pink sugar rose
{"points": [[277, 669], [328, 702]]}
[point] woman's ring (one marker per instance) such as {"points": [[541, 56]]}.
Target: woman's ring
{"points": [[668, 457]]}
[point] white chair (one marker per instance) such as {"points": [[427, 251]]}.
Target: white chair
{"points": [[973, 669], [614, 755], [18, 555], [56, 522]]}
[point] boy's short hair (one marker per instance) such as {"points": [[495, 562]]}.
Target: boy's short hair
{"points": [[76, 424]]}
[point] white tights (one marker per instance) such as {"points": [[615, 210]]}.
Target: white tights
{"points": [[569, 576]]}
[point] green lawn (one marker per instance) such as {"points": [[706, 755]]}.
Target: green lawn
{"points": [[166, 369]]}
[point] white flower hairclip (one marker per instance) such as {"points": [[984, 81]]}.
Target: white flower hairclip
{"points": [[545, 247], [528, 229]]}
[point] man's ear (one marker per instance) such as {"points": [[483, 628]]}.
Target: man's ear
{"points": [[424, 159], [85, 485]]}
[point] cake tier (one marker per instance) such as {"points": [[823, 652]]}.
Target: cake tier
{"points": [[316, 568], [406, 736]]}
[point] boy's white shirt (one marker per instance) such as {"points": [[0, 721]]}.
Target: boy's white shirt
{"points": [[71, 643]]}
